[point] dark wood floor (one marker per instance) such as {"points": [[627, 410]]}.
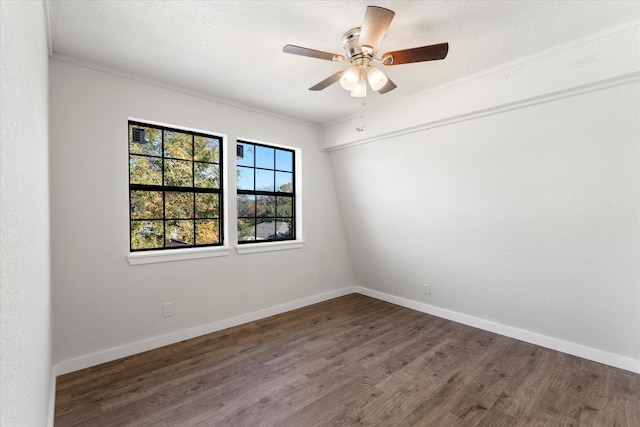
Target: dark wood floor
{"points": [[350, 361]]}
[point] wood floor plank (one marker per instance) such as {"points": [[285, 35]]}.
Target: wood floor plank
{"points": [[350, 361]]}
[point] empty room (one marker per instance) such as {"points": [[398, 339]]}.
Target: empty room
{"points": [[319, 213]]}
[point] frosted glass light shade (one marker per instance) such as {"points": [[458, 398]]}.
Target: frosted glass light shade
{"points": [[350, 78], [360, 91], [376, 79]]}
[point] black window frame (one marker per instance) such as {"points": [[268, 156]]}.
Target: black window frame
{"points": [[192, 190], [275, 193]]}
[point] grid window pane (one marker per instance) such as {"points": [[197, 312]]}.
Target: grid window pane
{"points": [[265, 157], [284, 207], [145, 170], [265, 180], [248, 152], [178, 205], [265, 206], [206, 149], [207, 205], [246, 205], [265, 229], [245, 178], [178, 173], [178, 145], [207, 175], [207, 232], [146, 204], [147, 235], [284, 229], [178, 233], [246, 229], [284, 182], [147, 141], [284, 160]]}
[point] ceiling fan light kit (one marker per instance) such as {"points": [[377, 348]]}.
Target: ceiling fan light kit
{"points": [[360, 91], [360, 45], [376, 79], [356, 77], [350, 78]]}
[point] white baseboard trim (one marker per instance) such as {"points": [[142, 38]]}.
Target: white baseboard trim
{"points": [[574, 349], [567, 347], [52, 399], [66, 366]]}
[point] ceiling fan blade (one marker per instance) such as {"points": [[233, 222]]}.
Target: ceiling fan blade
{"points": [[417, 54], [387, 87], [312, 53], [328, 81], [374, 28]]}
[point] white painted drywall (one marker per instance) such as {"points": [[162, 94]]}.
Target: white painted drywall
{"points": [[527, 217], [25, 308], [513, 193], [100, 302]]}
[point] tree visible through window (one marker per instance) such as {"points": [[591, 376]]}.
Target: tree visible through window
{"points": [[266, 193], [175, 181]]}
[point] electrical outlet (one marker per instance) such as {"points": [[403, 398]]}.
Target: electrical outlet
{"points": [[167, 309], [426, 289]]}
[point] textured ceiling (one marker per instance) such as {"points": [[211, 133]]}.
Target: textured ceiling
{"points": [[232, 50]]}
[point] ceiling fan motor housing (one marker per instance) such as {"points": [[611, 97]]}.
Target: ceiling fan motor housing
{"points": [[350, 42]]}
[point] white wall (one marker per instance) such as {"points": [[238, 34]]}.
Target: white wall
{"points": [[100, 302], [526, 216], [25, 315]]}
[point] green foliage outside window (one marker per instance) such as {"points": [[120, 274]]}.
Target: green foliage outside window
{"points": [[174, 188]]}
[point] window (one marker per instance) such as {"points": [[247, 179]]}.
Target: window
{"points": [[175, 188], [266, 193]]}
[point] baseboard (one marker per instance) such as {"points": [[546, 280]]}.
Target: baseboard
{"points": [[52, 399], [115, 353], [574, 349], [567, 347]]}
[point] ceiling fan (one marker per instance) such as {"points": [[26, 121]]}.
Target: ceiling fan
{"points": [[360, 45]]}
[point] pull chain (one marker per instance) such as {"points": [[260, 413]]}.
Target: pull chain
{"points": [[361, 127]]}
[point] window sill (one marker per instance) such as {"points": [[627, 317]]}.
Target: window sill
{"points": [[136, 258], [250, 248]]}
